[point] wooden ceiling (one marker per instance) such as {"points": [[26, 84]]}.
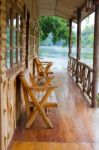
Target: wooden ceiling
{"points": [[62, 8]]}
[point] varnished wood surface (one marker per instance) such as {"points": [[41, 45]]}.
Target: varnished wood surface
{"points": [[73, 121], [53, 146]]}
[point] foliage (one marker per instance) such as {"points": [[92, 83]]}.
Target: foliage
{"points": [[54, 29], [88, 37], [55, 25]]}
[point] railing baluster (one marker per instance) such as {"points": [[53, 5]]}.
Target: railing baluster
{"points": [[83, 75]]}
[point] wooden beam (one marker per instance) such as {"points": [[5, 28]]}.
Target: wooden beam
{"points": [[96, 58], [78, 33], [80, 9], [27, 38], [83, 6], [70, 37]]}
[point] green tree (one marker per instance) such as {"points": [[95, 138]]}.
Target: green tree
{"points": [[88, 37], [55, 25]]}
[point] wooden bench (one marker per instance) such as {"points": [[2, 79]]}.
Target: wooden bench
{"points": [[37, 97]]}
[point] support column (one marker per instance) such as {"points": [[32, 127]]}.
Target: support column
{"points": [[96, 58], [78, 40], [70, 38], [34, 67], [27, 38], [78, 33]]}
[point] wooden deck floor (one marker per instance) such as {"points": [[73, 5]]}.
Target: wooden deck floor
{"points": [[74, 121]]}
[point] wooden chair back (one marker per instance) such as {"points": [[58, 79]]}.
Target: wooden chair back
{"points": [[39, 67]]}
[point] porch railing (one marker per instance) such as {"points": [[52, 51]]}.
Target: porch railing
{"points": [[83, 75]]}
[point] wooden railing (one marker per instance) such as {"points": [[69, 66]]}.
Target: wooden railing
{"points": [[83, 75]]}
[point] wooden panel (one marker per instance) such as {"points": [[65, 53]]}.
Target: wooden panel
{"points": [[47, 12], [44, 7], [8, 111], [62, 14], [47, 4], [66, 8]]}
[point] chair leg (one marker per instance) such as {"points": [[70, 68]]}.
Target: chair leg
{"points": [[44, 117], [48, 67], [38, 108], [46, 111]]}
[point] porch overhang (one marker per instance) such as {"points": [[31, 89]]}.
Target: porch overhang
{"points": [[62, 8]]}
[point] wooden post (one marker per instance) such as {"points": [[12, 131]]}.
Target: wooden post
{"points": [[78, 33], [78, 40], [18, 99], [34, 67], [70, 38], [27, 38], [96, 58]]}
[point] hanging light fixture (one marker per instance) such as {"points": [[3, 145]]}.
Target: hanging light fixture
{"points": [[90, 5]]}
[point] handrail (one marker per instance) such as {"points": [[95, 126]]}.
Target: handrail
{"points": [[83, 74], [81, 63], [86, 66]]}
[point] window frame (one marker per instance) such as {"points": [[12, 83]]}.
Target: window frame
{"points": [[18, 33]]}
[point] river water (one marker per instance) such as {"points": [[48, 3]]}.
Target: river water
{"points": [[59, 56]]}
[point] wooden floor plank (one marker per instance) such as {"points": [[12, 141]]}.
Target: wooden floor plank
{"points": [[73, 120], [53, 146]]}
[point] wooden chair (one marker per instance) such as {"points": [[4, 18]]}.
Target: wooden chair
{"points": [[46, 65], [39, 105], [51, 102], [43, 68]]}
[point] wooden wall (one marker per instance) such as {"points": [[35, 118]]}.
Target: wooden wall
{"points": [[11, 102]]}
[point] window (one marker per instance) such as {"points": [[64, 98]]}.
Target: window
{"points": [[13, 37], [19, 36], [8, 32]]}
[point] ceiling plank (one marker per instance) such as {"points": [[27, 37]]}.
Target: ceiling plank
{"points": [[63, 8]]}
